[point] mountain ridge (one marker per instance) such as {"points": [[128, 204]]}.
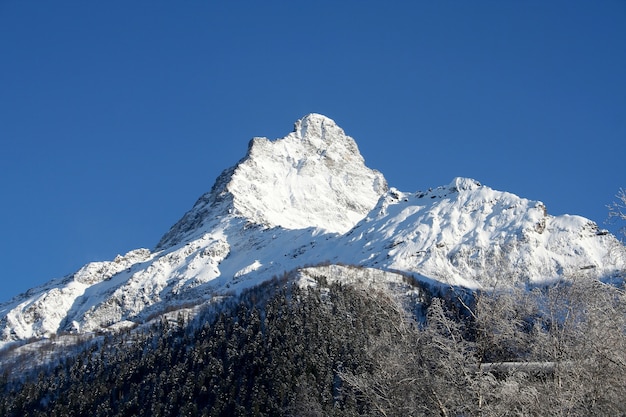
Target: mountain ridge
{"points": [[309, 199]]}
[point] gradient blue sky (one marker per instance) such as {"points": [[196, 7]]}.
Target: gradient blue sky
{"points": [[116, 116]]}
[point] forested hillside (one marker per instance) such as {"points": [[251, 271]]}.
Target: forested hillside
{"points": [[334, 349]]}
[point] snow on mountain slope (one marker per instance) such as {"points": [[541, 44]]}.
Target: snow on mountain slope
{"points": [[40, 311], [470, 235], [313, 177], [309, 199]]}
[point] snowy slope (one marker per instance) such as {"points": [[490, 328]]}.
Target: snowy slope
{"points": [[467, 234], [309, 199]]}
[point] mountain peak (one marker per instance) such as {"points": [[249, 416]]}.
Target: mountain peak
{"points": [[315, 177], [318, 129], [463, 184]]}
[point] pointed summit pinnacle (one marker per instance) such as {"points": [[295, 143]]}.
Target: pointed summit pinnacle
{"points": [[314, 127], [314, 177]]}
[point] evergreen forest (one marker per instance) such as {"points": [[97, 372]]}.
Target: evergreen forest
{"points": [[344, 350]]}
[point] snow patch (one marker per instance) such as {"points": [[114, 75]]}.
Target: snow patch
{"points": [[463, 184], [247, 269]]}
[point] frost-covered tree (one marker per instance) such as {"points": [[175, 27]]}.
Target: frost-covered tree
{"points": [[617, 209], [582, 333]]}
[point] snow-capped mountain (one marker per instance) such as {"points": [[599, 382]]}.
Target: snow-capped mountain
{"points": [[309, 199]]}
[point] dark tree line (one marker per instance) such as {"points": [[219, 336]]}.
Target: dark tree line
{"points": [[279, 356], [279, 350]]}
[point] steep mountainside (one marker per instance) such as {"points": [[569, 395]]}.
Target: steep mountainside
{"points": [[313, 177], [309, 199]]}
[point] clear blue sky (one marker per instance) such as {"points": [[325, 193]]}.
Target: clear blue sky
{"points": [[116, 116]]}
